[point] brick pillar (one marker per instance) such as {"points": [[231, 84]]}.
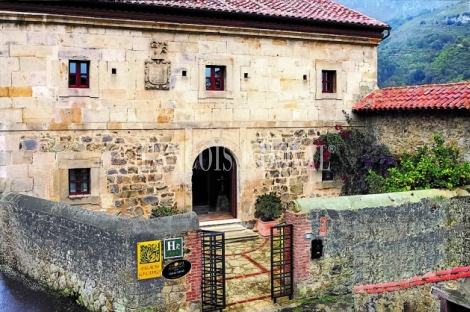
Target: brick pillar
{"points": [[301, 245], [193, 279]]}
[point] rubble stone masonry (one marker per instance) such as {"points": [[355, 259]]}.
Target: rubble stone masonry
{"points": [[404, 131], [386, 250], [92, 256]]}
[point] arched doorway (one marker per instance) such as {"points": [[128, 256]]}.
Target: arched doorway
{"points": [[214, 184]]}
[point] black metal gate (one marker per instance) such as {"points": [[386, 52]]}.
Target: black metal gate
{"points": [[213, 271], [282, 260]]}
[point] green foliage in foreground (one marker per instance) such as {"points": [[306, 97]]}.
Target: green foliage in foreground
{"points": [[318, 300], [308, 304], [438, 166]]}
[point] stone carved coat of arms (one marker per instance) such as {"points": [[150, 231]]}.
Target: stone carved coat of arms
{"points": [[157, 69]]}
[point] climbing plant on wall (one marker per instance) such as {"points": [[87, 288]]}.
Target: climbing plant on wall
{"points": [[352, 156]]}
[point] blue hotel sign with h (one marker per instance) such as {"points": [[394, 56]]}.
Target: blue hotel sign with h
{"points": [[173, 248]]}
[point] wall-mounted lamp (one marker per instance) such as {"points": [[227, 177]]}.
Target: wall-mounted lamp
{"points": [[113, 71], [305, 77], [183, 73], [245, 75]]}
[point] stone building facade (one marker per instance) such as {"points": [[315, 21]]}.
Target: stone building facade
{"points": [[122, 95]]}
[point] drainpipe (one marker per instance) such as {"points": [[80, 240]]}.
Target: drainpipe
{"points": [[387, 35]]}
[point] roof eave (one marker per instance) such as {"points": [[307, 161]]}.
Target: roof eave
{"points": [[365, 111], [195, 16]]}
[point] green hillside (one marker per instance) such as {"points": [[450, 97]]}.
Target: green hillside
{"points": [[386, 10], [429, 42], [433, 47]]}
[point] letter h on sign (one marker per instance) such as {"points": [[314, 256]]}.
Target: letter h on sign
{"points": [[173, 248]]}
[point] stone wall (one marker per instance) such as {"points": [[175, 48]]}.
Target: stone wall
{"points": [[92, 256], [376, 239], [404, 131], [134, 171], [140, 144]]}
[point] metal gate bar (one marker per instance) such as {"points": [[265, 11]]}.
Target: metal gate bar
{"points": [[282, 260], [213, 271]]}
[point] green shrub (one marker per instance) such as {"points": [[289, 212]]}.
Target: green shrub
{"points": [[164, 211], [436, 167], [268, 207]]}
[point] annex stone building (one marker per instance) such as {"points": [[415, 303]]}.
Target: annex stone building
{"points": [[120, 106]]}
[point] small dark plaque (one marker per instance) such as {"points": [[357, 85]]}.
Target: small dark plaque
{"points": [[176, 269], [316, 249]]}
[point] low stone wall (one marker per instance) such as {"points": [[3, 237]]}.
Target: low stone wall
{"points": [[92, 256], [382, 238]]}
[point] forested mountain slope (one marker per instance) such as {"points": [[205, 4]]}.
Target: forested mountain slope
{"points": [[432, 46], [386, 10]]}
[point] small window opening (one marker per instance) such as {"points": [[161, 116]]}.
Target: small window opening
{"points": [[79, 181], [328, 81], [79, 74], [327, 175], [215, 76]]}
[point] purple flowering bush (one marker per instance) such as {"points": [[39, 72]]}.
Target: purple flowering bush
{"points": [[352, 156]]}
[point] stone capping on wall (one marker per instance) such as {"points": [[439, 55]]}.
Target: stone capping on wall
{"points": [[92, 255], [165, 226], [305, 205]]}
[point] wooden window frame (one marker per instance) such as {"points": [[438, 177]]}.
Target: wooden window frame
{"points": [[212, 77], [79, 180], [328, 81], [78, 74]]}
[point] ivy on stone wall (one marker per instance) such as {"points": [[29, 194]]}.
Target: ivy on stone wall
{"points": [[352, 156]]}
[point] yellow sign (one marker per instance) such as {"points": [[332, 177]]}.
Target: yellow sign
{"points": [[149, 259]]}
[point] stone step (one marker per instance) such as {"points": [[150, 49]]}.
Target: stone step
{"points": [[234, 231]]}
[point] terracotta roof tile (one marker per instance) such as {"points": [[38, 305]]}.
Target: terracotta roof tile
{"points": [[432, 97], [319, 10]]}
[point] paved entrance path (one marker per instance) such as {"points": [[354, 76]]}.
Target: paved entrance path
{"points": [[248, 274]]}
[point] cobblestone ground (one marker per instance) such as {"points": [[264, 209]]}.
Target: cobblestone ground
{"points": [[248, 285], [19, 294], [248, 277]]}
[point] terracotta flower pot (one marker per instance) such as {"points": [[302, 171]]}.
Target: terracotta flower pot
{"points": [[264, 227]]}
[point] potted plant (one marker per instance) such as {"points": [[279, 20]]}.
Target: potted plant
{"points": [[268, 208]]}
